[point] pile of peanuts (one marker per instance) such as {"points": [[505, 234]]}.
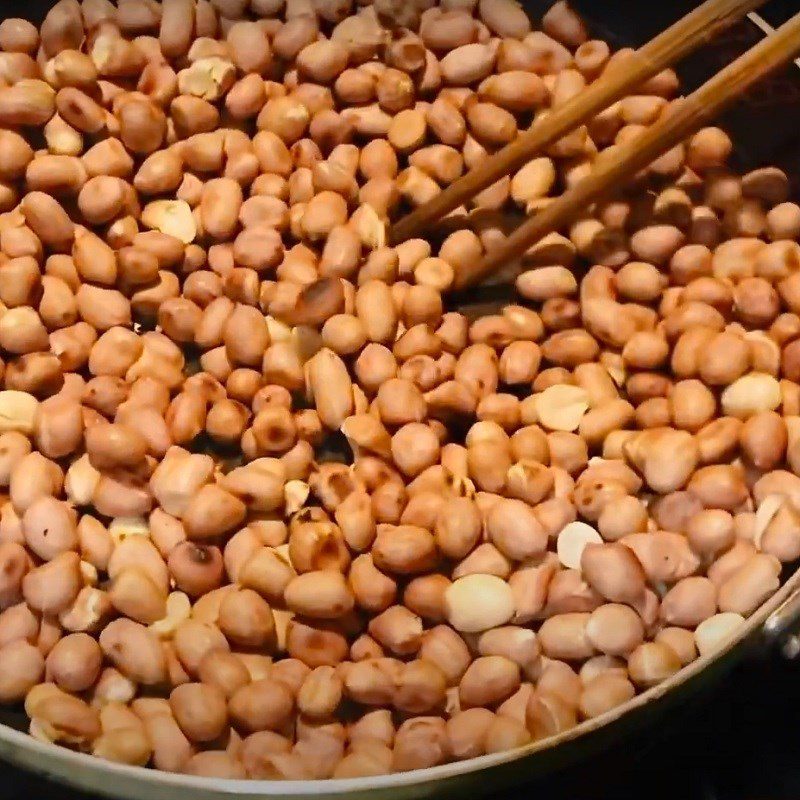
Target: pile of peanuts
{"points": [[533, 515]]}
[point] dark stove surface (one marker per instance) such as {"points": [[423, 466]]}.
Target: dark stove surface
{"points": [[738, 744]]}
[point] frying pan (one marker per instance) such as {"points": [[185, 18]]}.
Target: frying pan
{"points": [[772, 623], [493, 772]]}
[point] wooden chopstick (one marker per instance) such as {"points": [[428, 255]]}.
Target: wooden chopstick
{"points": [[685, 36], [623, 162], [765, 27]]}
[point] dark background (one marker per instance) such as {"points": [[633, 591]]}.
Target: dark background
{"points": [[741, 742]]}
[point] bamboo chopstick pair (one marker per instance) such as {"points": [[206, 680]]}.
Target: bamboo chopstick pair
{"points": [[624, 161]]}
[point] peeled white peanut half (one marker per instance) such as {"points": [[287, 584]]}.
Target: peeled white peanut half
{"points": [[571, 541], [561, 407], [751, 394], [80, 481], [765, 513], [173, 217], [122, 527], [208, 78], [295, 494], [478, 602], [179, 609], [89, 574], [18, 411], [713, 632]]}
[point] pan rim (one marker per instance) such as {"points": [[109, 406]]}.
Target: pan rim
{"points": [[68, 760]]}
